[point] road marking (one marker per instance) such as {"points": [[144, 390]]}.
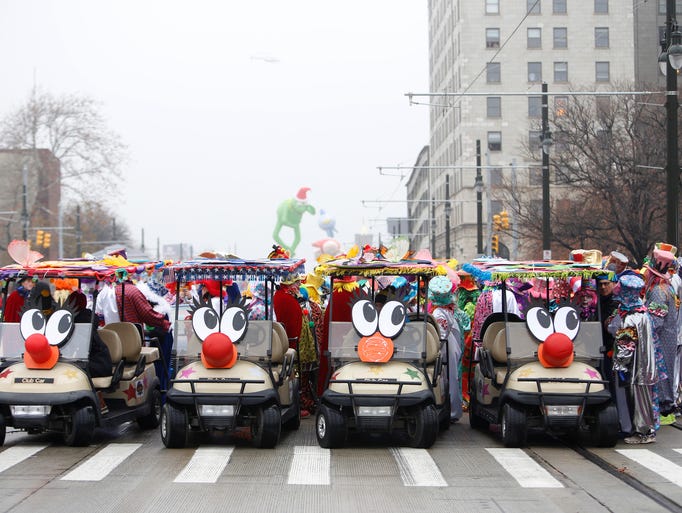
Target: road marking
{"points": [[527, 472], [311, 465], [205, 466], [101, 464], [417, 468], [658, 464], [13, 455]]}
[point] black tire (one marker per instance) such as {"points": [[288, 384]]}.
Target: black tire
{"points": [[267, 427], [294, 422], [3, 429], [80, 427], [606, 426], [514, 431], [475, 420], [330, 428], [153, 418], [422, 430], [446, 412], [173, 426]]}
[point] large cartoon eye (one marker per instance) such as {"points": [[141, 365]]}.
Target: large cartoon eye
{"points": [[32, 321], [233, 324], [364, 316], [539, 323], [59, 327], [205, 321], [567, 321], [392, 319]]}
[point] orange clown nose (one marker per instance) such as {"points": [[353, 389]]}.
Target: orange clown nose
{"points": [[218, 352], [375, 348], [556, 351]]}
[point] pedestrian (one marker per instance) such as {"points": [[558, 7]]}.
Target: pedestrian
{"points": [[15, 301], [634, 362]]}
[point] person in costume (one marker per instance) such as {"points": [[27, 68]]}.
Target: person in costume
{"points": [[634, 362], [661, 301], [15, 301], [467, 294], [41, 295], [444, 305]]}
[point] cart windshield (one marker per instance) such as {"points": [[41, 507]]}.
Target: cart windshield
{"points": [[76, 348], [409, 345]]}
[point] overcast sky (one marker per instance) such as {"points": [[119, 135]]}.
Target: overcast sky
{"points": [[229, 107]]}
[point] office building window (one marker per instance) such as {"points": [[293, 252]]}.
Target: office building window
{"points": [[495, 141], [535, 176], [494, 106], [492, 6], [662, 7], [534, 140], [559, 6], [560, 106], [561, 72], [560, 37], [601, 37], [534, 37], [534, 106], [493, 73], [534, 72], [602, 71], [492, 38], [601, 6], [496, 177], [533, 6]]}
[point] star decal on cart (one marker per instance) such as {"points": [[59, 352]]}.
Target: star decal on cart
{"points": [[592, 373], [413, 374], [525, 373], [130, 392], [187, 373], [376, 369], [71, 374], [6, 373], [485, 390]]}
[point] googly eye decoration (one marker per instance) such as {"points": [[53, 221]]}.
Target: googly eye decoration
{"points": [[541, 325], [367, 320], [57, 329], [233, 323]]}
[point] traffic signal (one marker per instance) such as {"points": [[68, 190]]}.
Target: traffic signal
{"points": [[39, 237], [504, 220], [497, 222], [46, 240], [495, 244]]}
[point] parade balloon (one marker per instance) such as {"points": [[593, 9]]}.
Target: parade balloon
{"points": [[289, 213]]}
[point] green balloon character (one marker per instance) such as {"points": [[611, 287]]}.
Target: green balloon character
{"points": [[289, 213]]}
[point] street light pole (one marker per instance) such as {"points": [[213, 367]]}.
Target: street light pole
{"points": [[478, 186], [671, 105], [546, 142], [448, 212]]}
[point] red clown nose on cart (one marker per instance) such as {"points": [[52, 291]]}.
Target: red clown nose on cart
{"points": [[39, 353], [556, 351], [218, 352]]}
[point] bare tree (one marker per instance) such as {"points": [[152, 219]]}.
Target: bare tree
{"points": [[609, 187], [72, 127], [93, 228]]}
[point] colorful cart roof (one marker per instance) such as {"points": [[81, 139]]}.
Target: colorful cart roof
{"points": [[499, 269], [350, 267], [233, 269], [109, 269]]}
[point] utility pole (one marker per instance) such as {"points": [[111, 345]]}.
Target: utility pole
{"points": [[24, 210], [448, 212], [433, 226], [546, 142], [478, 186], [79, 233], [671, 106]]}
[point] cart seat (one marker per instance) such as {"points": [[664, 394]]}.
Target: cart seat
{"points": [[499, 347], [432, 344], [131, 343], [113, 343], [280, 349], [491, 333]]}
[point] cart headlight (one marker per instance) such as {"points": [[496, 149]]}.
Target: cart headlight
{"points": [[30, 410], [216, 410], [562, 411], [374, 411]]}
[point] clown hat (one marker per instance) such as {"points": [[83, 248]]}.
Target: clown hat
{"points": [[660, 263], [302, 194]]}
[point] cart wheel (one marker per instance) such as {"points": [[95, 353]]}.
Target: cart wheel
{"points": [[330, 427], [80, 427], [513, 426], [475, 421], [422, 429], [151, 420], [606, 426], [267, 427], [173, 426], [3, 429]]}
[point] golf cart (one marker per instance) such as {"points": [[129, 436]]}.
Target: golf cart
{"points": [[541, 373], [45, 384], [230, 373], [387, 373]]}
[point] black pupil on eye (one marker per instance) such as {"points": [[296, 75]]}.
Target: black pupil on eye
{"points": [[210, 319], [397, 315], [368, 312], [544, 319], [572, 321], [239, 321], [37, 320], [64, 324]]}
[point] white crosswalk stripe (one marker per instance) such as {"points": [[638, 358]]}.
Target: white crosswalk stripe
{"points": [[311, 465], [658, 464], [205, 466], [417, 468], [13, 455], [527, 472], [101, 464]]}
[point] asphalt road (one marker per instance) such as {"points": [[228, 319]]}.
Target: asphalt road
{"points": [[129, 470]]}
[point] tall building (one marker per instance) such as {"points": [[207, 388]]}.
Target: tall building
{"points": [[495, 55]]}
